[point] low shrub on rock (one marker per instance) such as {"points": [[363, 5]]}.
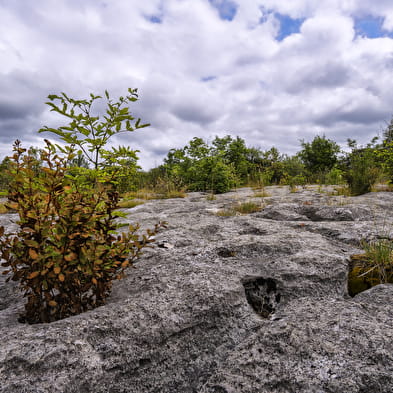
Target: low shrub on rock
{"points": [[66, 252]]}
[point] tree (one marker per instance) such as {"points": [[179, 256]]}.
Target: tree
{"points": [[362, 170], [233, 152], [320, 155]]}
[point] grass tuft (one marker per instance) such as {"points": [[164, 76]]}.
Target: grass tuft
{"points": [[147, 194], [211, 197], [226, 212], [240, 208], [129, 203], [247, 208], [373, 267], [261, 194]]}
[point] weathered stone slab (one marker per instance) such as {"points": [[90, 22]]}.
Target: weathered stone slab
{"points": [[252, 303]]}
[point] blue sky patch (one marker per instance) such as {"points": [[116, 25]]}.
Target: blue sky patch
{"points": [[226, 8], [154, 19], [370, 27], [208, 78], [288, 26]]}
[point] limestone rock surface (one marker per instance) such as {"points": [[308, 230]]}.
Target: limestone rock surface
{"points": [[254, 303]]}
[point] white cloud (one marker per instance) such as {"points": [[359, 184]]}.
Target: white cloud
{"points": [[199, 74]]}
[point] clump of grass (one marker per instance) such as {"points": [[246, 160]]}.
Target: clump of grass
{"points": [[382, 187], [247, 208], [211, 197], [147, 194], [373, 267], [292, 188], [261, 194], [140, 194], [379, 258], [342, 190], [226, 212], [240, 208], [129, 203]]}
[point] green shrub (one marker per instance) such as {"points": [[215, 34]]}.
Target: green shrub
{"points": [[66, 252], [211, 174], [334, 176], [362, 173]]}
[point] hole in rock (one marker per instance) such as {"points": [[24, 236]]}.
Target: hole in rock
{"points": [[226, 252], [262, 295]]}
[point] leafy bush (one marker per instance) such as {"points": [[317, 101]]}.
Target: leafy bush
{"points": [[334, 176], [211, 173], [362, 172], [67, 252]]}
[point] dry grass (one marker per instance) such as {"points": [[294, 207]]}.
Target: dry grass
{"points": [[130, 203], [382, 188], [240, 208], [140, 194], [147, 194], [211, 197], [261, 194], [247, 208], [226, 212], [341, 190]]}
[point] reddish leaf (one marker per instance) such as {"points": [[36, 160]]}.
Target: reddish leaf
{"points": [[33, 275], [33, 254]]}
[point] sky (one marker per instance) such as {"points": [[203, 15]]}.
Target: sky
{"points": [[271, 72]]}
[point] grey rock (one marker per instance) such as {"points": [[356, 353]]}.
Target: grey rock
{"points": [[249, 303]]}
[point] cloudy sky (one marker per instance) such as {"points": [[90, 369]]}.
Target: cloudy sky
{"points": [[272, 72]]}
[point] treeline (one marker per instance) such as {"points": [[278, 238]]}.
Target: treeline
{"points": [[228, 162]]}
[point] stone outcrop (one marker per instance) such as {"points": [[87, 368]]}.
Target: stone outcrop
{"points": [[253, 303]]}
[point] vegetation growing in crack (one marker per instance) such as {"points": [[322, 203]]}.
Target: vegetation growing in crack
{"points": [[67, 251], [373, 267]]}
